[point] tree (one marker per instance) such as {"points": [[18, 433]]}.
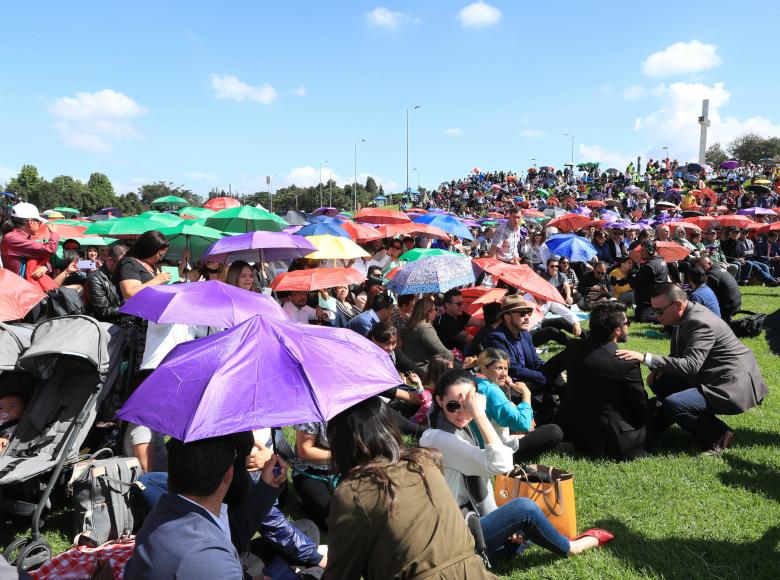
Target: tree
{"points": [[750, 148], [151, 191], [371, 185], [99, 194], [70, 192], [27, 180], [129, 204], [715, 155]]}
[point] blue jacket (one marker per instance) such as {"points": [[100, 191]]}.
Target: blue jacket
{"points": [[364, 322], [706, 297], [502, 411], [287, 539], [524, 363]]}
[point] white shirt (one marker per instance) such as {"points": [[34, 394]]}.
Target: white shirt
{"points": [[302, 316], [162, 338], [221, 521], [554, 308]]}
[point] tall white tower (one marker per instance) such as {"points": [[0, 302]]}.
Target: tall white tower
{"points": [[704, 121]]}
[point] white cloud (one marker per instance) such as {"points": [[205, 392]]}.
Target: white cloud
{"points": [[383, 18], [90, 121], [300, 91], [6, 174], [633, 92], [479, 15], [231, 88], [121, 187], [454, 131], [675, 123], [681, 58], [616, 159], [308, 176], [533, 132], [200, 176]]}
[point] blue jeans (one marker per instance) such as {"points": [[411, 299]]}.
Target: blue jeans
{"points": [[155, 486], [763, 270], [688, 407], [519, 516]]}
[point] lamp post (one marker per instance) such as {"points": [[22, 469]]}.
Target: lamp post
{"points": [[354, 183], [407, 144], [270, 199], [572, 147], [320, 183]]}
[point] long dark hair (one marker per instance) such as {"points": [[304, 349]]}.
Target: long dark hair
{"points": [[453, 377], [234, 272], [147, 245], [365, 442], [439, 365], [420, 312]]}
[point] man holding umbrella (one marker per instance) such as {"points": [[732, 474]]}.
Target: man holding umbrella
{"points": [[507, 239]]}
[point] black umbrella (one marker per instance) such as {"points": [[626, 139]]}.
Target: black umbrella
{"points": [[759, 189], [296, 218], [694, 167]]}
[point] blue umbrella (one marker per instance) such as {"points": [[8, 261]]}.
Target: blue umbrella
{"points": [[572, 246], [323, 229], [431, 275], [325, 219], [448, 223]]}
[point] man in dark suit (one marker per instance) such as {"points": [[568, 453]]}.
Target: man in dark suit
{"points": [[650, 274], [616, 245], [768, 252], [709, 371], [725, 287], [604, 408], [187, 534]]}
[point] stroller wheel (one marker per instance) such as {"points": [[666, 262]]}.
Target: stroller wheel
{"points": [[12, 550], [33, 555]]}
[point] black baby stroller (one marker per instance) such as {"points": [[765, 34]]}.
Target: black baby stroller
{"points": [[68, 369]]}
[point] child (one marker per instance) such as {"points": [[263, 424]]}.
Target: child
{"points": [[11, 409]]}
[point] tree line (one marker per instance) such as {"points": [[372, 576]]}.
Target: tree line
{"points": [[98, 193], [749, 148]]}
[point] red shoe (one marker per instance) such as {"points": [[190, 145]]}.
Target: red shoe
{"points": [[603, 536]]}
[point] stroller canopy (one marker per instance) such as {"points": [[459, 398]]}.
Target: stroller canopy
{"points": [[14, 340]]}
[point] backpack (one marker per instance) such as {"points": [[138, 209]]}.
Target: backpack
{"points": [[747, 326], [100, 492]]}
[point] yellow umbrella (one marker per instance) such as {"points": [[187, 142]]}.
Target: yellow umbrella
{"points": [[335, 248], [761, 182]]}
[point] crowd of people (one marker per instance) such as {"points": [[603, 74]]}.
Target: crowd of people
{"points": [[473, 392]]}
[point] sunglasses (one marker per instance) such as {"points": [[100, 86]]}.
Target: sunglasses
{"points": [[660, 311], [452, 406]]}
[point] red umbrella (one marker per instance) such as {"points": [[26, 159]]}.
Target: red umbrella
{"points": [[521, 276], [687, 226], [17, 296], [669, 251], [417, 210], [594, 203], [374, 215], [475, 298], [220, 203], [315, 279], [706, 192], [773, 227], [569, 222], [533, 213], [494, 215], [598, 224], [413, 229], [361, 233], [67, 231], [737, 221]]}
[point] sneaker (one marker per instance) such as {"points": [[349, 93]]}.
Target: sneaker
{"points": [[721, 444]]}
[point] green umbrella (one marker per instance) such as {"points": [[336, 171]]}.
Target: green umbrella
{"points": [[246, 219], [542, 192], [163, 219], [171, 200], [67, 210], [67, 222], [189, 235], [198, 212], [489, 223], [417, 253], [130, 227]]}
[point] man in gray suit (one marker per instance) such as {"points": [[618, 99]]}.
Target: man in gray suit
{"points": [[709, 370]]}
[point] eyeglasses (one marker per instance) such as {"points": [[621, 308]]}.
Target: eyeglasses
{"points": [[552, 265], [627, 322], [660, 311], [452, 406]]}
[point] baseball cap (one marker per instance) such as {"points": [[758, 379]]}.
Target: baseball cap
{"points": [[26, 211]]}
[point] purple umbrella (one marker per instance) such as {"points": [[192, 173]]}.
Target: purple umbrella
{"points": [[259, 374], [730, 164], [210, 303], [754, 211], [331, 211], [259, 247]]}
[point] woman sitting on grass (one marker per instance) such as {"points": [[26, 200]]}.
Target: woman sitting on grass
{"points": [[468, 469], [392, 515]]}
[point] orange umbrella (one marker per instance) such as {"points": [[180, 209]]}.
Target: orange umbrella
{"points": [[521, 276], [17, 296], [533, 213], [417, 210], [495, 215], [315, 279], [594, 203], [413, 229], [569, 222], [375, 215], [706, 192], [736, 221], [220, 203], [669, 251], [67, 231], [361, 233], [475, 298], [687, 226]]}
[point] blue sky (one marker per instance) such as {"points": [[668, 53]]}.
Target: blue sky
{"points": [[209, 94]]}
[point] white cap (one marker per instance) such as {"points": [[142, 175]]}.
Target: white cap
{"points": [[26, 211]]}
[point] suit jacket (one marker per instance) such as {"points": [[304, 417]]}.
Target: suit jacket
{"points": [[706, 352], [766, 250], [181, 540], [605, 407], [524, 363]]}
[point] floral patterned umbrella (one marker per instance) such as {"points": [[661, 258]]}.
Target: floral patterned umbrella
{"points": [[432, 275]]}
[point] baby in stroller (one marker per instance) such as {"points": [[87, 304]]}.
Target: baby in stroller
{"points": [[11, 409]]}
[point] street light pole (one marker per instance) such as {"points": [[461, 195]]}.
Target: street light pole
{"points": [[270, 199], [407, 144], [330, 188], [320, 184], [354, 183]]}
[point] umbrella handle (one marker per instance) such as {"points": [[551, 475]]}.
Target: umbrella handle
{"points": [[273, 441]]}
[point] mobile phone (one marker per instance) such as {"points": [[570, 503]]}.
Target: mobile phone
{"points": [[85, 265]]}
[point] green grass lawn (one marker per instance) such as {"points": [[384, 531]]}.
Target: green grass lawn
{"points": [[677, 514]]}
